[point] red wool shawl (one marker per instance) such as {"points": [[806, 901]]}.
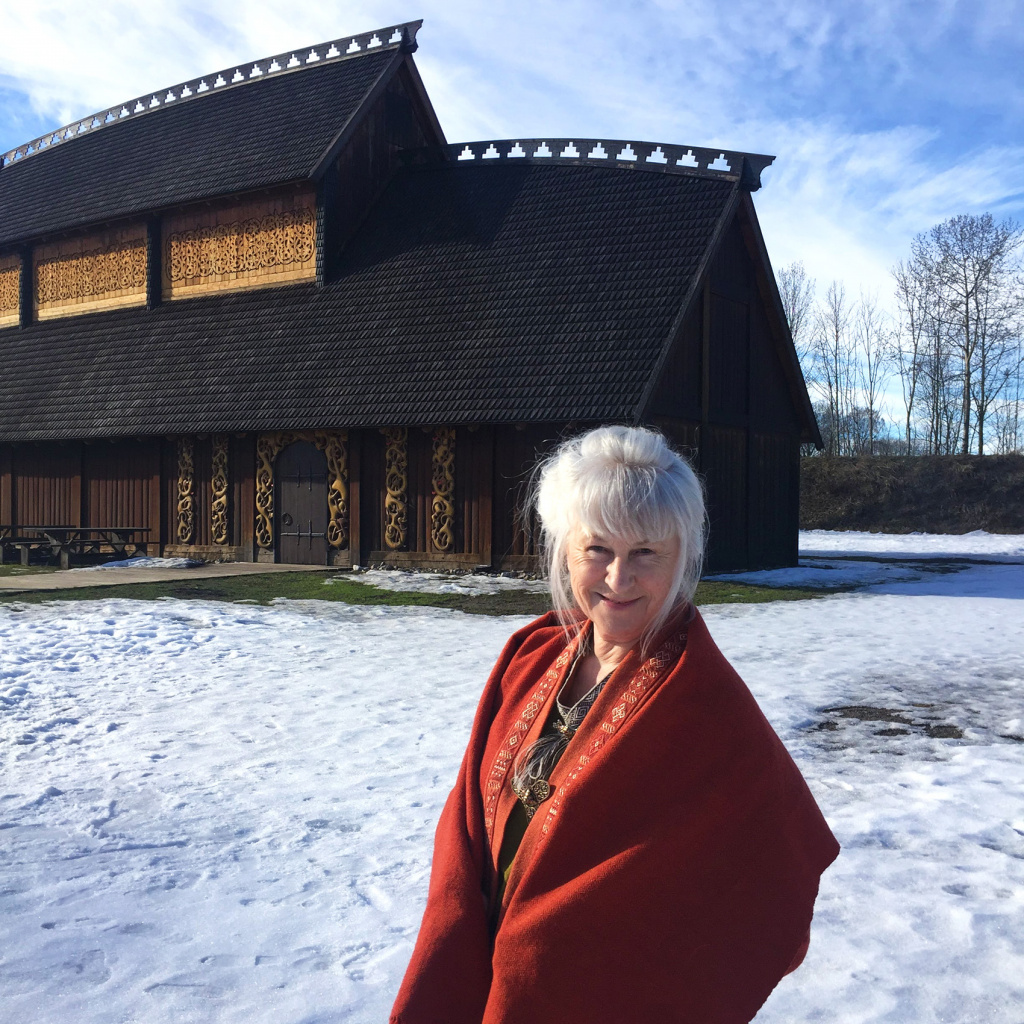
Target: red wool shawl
{"points": [[670, 878]]}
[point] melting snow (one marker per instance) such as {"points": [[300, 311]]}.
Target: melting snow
{"points": [[225, 812]]}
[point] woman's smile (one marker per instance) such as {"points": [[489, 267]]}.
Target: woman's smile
{"points": [[621, 585]]}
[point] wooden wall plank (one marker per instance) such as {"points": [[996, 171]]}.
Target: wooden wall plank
{"points": [[41, 484], [355, 499], [76, 488], [6, 488], [243, 467]]}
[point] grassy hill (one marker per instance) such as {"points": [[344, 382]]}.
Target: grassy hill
{"points": [[930, 493]]}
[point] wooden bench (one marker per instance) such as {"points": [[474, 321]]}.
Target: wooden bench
{"points": [[61, 542]]}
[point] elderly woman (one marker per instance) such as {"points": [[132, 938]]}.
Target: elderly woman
{"points": [[628, 840]]}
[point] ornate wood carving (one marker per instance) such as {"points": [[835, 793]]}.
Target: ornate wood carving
{"points": [[240, 245], [219, 489], [98, 271], [186, 492], [10, 285], [396, 483], [334, 444], [442, 506], [267, 447], [335, 447]]}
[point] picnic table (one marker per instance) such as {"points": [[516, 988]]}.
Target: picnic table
{"points": [[63, 541]]}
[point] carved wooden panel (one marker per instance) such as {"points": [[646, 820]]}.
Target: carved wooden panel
{"points": [[186, 517], [250, 244], [219, 490], [10, 279], [102, 270], [396, 486], [442, 506]]}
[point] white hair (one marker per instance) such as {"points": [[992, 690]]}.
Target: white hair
{"points": [[619, 482]]}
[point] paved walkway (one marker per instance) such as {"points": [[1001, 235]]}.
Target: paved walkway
{"points": [[75, 578]]}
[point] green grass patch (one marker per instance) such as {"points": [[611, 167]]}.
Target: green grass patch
{"points": [[25, 570], [303, 586]]}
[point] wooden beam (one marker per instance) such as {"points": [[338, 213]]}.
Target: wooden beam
{"points": [[155, 499], [355, 542], [483, 480], [26, 298], [154, 262], [246, 470], [327, 233], [6, 485], [76, 489]]}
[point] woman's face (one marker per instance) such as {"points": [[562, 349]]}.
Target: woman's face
{"points": [[621, 586]]}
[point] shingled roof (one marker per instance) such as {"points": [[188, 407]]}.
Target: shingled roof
{"points": [[485, 293], [253, 130]]}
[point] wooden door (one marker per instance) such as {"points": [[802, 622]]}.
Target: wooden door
{"points": [[300, 505]]}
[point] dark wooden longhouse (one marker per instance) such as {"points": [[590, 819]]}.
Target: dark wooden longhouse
{"points": [[271, 314]]}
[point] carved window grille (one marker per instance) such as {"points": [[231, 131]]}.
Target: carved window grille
{"points": [[80, 277], [219, 491], [334, 444], [10, 287], [442, 506], [186, 492], [253, 246], [396, 485]]}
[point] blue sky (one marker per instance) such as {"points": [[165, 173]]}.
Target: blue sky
{"points": [[885, 117]]}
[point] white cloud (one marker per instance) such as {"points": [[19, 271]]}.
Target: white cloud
{"points": [[844, 198]]}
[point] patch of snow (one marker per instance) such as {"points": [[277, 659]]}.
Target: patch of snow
{"points": [[144, 562], [977, 544], [471, 584], [226, 812], [824, 573]]}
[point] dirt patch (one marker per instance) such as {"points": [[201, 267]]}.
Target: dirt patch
{"points": [[901, 722], [866, 713], [944, 732]]}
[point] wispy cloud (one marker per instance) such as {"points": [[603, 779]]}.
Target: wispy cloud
{"points": [[886, 118]]}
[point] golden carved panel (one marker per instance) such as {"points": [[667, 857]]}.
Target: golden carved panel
{"points": [[334, 444], [396, 484], [10, 281], [442, 505], [219, 491], [335, 447], [103, 270], [186, 492], [240, 245]]}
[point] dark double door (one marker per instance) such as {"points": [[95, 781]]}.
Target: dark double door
{"points": [[300, 502]]}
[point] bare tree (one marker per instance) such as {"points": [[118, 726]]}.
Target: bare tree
{"points": [[970, 259], [909, 339], [871, 334], [835, 367], [1007, 418], [797, 292]]}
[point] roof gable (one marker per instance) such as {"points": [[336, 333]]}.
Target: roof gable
{"points": [[257, 132]]}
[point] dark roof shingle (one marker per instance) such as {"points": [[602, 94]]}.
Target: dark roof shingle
{"points": [[262, 133], [470, 294]]}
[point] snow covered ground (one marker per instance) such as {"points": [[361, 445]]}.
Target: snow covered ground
{"points": [[143, 562], [217, 812], [470, 584], [831, 559], [1003, 547]]}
